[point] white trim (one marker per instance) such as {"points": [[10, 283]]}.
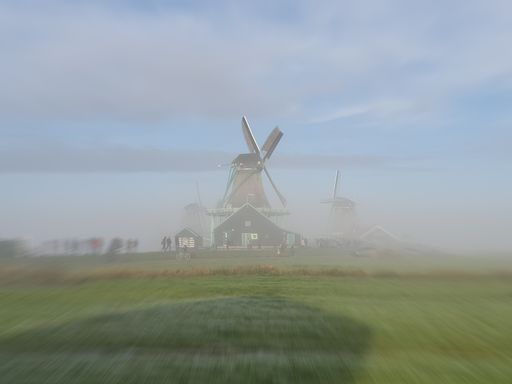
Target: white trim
{"points": [[378, 227], [190, 230]]}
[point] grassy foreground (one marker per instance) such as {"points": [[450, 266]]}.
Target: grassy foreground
{"points": [[252, 324]]}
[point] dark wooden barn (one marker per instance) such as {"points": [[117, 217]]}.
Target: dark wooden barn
{"points": [[189, 239], [248, 228]]}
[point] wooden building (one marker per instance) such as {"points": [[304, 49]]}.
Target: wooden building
{"points": [[189, 239], [249, 228]]}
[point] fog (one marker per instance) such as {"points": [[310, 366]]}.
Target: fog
{"points": [[147, 206], [237, 191], [112, 112]]}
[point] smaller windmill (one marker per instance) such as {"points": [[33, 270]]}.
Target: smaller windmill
{"points": [[342, 217], [195, 215]]}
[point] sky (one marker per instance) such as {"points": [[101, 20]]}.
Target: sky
{"points": [[112, 111]]}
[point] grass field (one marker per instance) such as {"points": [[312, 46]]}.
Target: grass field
{"points": [[318, 317]]}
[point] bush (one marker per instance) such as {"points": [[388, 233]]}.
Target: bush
{"points": [[11, 248]]}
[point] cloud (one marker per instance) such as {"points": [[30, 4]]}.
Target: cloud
{"points": [[122, 159], [383, 109], [115, 159], [109, 60]]}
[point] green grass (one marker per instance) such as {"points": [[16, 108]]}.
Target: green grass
{"points": [[251, 326]]}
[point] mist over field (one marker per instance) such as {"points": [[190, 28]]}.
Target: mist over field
{"points": [[155, 226], [148, 206], [112, 111]]}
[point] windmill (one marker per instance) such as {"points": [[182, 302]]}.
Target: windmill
{"points": [[244, 217], [245, 184], [342, 217], [195, 215]]}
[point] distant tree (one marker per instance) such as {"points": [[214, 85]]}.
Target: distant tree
{"points": [[11, 248], [115, 246]]}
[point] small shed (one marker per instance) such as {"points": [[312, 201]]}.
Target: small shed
{"points": [[188, 239]]}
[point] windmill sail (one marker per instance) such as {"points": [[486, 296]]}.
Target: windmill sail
{"points": [[245, 184], [249, 137], [278, 193], [336, 182], [271, 143]]}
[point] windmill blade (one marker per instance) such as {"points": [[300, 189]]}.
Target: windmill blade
{"points": [[279, 194], [271, 142], [249, 137], [231, 178], [336, 182], [198, 195]]}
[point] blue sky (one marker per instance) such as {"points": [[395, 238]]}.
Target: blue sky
{"points": [[123, 105]]}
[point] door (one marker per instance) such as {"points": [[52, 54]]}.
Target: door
{"points": [[290, 239], [249, 239]]}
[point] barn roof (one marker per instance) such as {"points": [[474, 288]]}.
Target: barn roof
{"points": [[377, 229], [187, 232], [247, 207]]}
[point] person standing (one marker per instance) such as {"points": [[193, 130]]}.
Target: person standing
{"points": [[169, 244], [164, 244]]}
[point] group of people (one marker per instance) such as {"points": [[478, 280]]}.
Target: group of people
{"points": [[166, 244], [182, 251], [90, 246]]}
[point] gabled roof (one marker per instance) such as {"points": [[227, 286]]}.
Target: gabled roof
{"points": [[249, 207], [187, 231], [377, 229]]}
